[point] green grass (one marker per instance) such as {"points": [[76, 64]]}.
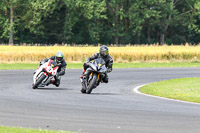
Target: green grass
{"points": [[186, 89], [152, 65], [4, 66], [4, 129]]}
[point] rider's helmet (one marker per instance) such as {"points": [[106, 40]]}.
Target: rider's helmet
{"points": [[103, 51], [59, 56]]}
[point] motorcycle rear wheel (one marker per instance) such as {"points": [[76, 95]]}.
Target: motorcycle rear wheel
{"points": [[39, 81]]}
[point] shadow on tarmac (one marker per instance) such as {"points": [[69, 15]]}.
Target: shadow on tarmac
{"points": [[43, 88], [104, 94]]}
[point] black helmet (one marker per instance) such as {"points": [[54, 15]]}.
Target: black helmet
{"points": [[103, 50], [59, 56]]}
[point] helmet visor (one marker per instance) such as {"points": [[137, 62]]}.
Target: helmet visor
{"points": [[59, 58], [104, 52]]}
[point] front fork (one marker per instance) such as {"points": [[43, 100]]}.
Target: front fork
{"points": [[91, 75], [85, 81]]}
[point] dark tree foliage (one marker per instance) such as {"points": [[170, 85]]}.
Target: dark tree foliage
{"points": [[100, 21]]}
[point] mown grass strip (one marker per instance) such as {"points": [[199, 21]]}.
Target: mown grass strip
{"points": [[4, 129], [156, 65], [186, 89], [14, 66]]}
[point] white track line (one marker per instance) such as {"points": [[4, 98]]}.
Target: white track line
{"points": [[136, 90]]}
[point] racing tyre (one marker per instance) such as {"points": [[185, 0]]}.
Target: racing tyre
{"points": [[39, 81], [91, 84]]}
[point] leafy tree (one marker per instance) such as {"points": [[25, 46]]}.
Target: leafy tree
{"points": [[3, 21], [143, 15], [84, 20], [175, 13], [100, 21]]}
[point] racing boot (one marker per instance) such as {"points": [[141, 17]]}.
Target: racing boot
{"points": [[105, 79], [57, 82], [83, 90], [82, 75]]}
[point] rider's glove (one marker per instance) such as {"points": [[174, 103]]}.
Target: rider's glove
{"points": [[62, 72], [42, 62], [109, 70], [59, 64], [87, 61], [57, 75]]}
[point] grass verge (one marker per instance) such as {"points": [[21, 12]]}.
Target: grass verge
{"points": [[9, 66], [186, 89], [4, 129]]}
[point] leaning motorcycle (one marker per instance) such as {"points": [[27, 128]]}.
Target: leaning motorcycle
{"points": [[45, 73], [95, 73]]}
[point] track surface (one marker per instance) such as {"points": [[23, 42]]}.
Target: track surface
{"points": [[111, 108]]}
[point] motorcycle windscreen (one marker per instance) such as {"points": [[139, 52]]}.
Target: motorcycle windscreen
{"points": [[103, 69], [53, 63], [100, 62]]}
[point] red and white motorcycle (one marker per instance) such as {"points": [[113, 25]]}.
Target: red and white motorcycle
{"points": [[45, 73]]}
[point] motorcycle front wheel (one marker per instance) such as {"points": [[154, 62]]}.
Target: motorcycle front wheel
{"points": [[91, 84], [39, 81]]}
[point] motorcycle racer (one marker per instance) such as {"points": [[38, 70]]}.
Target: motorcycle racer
{"points": [[59, 59], [104, 54]]}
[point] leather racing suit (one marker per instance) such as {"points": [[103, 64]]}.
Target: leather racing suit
{"points": [[61, 70], [108, 60]]}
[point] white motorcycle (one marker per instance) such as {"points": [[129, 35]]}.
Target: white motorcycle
{"points": [[45, 73]]}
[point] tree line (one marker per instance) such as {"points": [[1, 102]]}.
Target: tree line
{"points": [[99, 21]]}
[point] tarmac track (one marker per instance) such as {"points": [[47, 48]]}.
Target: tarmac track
{"points": [[111, 108]]}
